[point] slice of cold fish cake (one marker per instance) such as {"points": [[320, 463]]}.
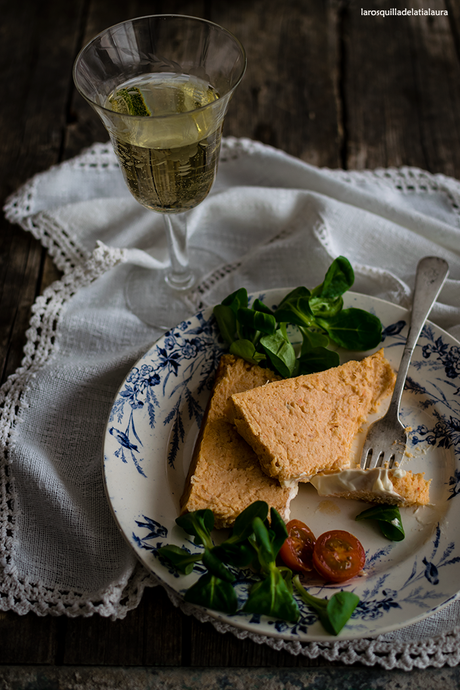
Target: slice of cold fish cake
{"points": [[306, 424], [225, 474]]}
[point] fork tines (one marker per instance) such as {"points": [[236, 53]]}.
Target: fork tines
{"points": [[379, 450]]}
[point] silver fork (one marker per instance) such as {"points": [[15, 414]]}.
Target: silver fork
{"points": [[387, 437]]}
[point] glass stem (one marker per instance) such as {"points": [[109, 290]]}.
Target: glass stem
{"points": [[179, 276]]}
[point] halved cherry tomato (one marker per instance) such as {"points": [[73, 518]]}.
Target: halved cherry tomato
{"points": [[297, 550], [338, 556]]}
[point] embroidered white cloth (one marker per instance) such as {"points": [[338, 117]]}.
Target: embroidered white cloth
{"points": [[272, 221]]}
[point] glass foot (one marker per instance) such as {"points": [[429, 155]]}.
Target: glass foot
{"points": [[149, 295]]}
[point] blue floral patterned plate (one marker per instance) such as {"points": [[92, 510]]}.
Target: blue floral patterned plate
{"points": [[149, 442]]}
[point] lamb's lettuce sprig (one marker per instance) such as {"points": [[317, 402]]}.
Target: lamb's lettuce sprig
{"points": [[254, 541], [260, 335], [333, 613], [213, 589], [272, 594], [388, 518]]}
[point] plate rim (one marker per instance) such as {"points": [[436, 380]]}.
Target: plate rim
{"points": [[240, 623]]}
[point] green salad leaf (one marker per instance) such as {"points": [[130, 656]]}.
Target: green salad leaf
{"points": [[181, 559], [338, 279], [260, 335], [334, 612], [353, 329], [237, 550], [199, 524], [388, 518], [280, 351], [254, 541], [213, 593], [272, 595]]}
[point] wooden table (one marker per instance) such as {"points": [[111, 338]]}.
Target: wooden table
{"points": [[326, 83]]}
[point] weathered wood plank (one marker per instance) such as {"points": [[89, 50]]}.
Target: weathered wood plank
{"points": [[438, 79], [20, 267], [36, 52], [28, 639], [37, 47], [402, 106], [289, 95], [454, 21], [213, 649], [149, 635], [99, 640]]}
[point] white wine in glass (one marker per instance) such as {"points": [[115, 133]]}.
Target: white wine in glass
{"points": [[164, 173], [161, 85]]}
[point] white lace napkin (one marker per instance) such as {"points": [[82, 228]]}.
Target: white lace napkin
{"points": [[272, 221]]}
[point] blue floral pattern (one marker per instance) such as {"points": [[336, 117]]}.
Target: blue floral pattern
{"points": [[164, 396], [374, 603], [442, 358], [184, 350]]}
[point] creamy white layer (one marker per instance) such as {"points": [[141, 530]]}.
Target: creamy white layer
{"points": [[378, 481]]}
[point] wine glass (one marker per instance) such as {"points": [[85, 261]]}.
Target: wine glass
{"points": [[161, 85]]}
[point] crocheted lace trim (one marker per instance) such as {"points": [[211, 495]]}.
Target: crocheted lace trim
{"points": [[60, 245], [66, 254], [23, 596], [406, 179], [444, 650], [17, 594]]}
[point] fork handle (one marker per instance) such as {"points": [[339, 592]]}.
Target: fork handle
{"points": [[429, 279]]}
